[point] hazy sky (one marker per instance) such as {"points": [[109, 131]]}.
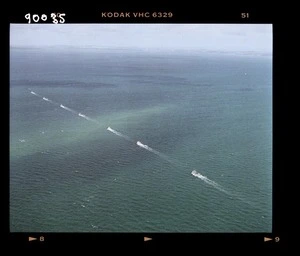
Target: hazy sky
{"points": [[215, 37]]}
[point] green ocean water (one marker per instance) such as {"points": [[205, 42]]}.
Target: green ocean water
{"points": [[211, 113]]}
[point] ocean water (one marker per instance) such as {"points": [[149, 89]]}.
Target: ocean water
{"points": [[207, 119]]}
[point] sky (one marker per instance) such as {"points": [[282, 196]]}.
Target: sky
{"points": [[203, 37]]}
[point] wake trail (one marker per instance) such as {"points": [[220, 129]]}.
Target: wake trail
{"points": [[46, 99], [119, 134], [140, 144], [34, 93], [68, 109], [88, 118], [220, 188], [210, 182], [63, 107], [144, 146]]}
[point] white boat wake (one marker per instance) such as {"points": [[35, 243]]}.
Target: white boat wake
{"points": [[209, 182]]}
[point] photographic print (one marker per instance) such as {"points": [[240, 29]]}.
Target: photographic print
{"points": [[141, 128]]}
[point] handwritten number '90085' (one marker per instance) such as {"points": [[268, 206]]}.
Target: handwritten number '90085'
{"points": [[56, 18]]}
